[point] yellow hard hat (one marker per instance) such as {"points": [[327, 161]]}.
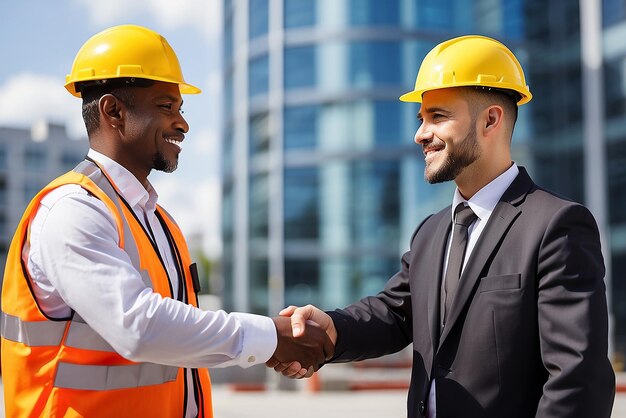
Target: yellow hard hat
{"points": [[470, 61], [127, 51]]}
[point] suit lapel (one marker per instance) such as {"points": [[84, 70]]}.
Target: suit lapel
{"points": [[505, 212], [436, 270]]}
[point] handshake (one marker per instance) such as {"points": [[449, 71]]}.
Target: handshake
{"points": [[306, 340]]}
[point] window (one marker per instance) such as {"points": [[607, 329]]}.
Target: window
{"points": [[3, 158], [258, 18], [3, 190], [299, 13], [228, 40], [375, 64], [228, 96], [69, 160], [437, 14], [259, 135], [259, 298], [374, 12], [3, 225], [300, 67], [301, 282], [300, 127], [388, 128], [35, 159], [258, 79], [613, 11], [301, 188], [258, 201], [32, 187], [375, 210]]}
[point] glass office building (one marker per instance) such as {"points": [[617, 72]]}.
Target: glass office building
{"points": [[614, 47], [322, 183]]}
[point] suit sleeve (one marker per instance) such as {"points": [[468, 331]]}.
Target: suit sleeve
{"points": [[573, 319], [377, 325]]}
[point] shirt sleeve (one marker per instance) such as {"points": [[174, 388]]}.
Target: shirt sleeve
{"points": [[76, 248]]}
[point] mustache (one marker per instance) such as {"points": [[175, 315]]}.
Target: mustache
{"points": [[433, 143]]}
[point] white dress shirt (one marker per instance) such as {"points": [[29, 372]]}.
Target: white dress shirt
{"points": [[75, 263], [482, 204]]}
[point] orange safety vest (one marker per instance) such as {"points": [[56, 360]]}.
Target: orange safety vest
{"points": [[62, 367]]}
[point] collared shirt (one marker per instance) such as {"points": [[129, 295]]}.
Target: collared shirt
{"points": [[482, 204], [75, 263]]}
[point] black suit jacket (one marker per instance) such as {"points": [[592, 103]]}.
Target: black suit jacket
{"points": [[527, 333]]}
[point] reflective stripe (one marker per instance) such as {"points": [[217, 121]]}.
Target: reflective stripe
{"points": [[50, 333], [86, 377], [81, 335], [32, 333]]}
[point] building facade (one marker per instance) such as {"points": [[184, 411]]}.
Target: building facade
{"points": [[29, 159], [322, 183]]}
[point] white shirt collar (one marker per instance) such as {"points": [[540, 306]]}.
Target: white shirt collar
{"points": [[130, 188], [486, 199]]}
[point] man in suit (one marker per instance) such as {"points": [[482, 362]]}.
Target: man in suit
{"points": [[506, 308]]}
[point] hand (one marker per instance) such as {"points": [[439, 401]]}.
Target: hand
{"points": [[301, 355], [300, 317]]}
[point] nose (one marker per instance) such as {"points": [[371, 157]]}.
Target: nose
{"points": [[181, 124], [423, 134]]}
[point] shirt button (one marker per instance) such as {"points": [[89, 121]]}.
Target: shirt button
{"points": [[422, 408], [251, 359]]}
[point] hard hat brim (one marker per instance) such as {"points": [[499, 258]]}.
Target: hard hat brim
{"points": [[415, 96], [185, 88]]}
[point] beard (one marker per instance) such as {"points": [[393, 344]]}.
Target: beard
{"points": [[160, 163], [463, 155]]}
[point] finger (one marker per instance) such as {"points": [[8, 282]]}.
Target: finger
{"points": [[298, 320], [309, 372], [293, 370], [301, 316], [272, 362], [288, 311], [302, 373], [281, 367]]}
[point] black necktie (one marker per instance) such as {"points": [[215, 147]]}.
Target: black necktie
{"points": [[463, 218]]}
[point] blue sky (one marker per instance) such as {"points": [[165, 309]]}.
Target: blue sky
{"points": [[38, 42]]}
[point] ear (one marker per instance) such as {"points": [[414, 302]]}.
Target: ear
{"points": [[493, 119], [112, 111]]}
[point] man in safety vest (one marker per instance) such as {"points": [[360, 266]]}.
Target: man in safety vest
{"points": [[99, 300]]}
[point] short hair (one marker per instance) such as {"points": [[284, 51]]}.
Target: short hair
{"points": [[506, 98], [92, 91]]}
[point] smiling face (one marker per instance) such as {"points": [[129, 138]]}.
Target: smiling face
{"points": [[154, 129], [447, 135]]}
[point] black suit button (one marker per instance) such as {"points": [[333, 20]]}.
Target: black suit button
{"points": [[422, 408]]}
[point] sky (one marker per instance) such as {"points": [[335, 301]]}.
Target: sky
{"points": [[38, 42]]}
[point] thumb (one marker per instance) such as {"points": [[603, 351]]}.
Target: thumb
{"points": [[298, 323], [288, 311]]}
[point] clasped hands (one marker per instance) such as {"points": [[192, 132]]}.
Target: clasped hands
{"points": [[306, 340]]}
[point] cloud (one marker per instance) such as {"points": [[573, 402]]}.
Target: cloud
{"points": [[205, 15], [26, 98]]}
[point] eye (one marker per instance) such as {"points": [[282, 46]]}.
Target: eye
{"points": [[170, 107]]}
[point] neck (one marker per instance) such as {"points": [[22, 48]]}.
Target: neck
{"points": [[141, 175], [470, 181]]}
